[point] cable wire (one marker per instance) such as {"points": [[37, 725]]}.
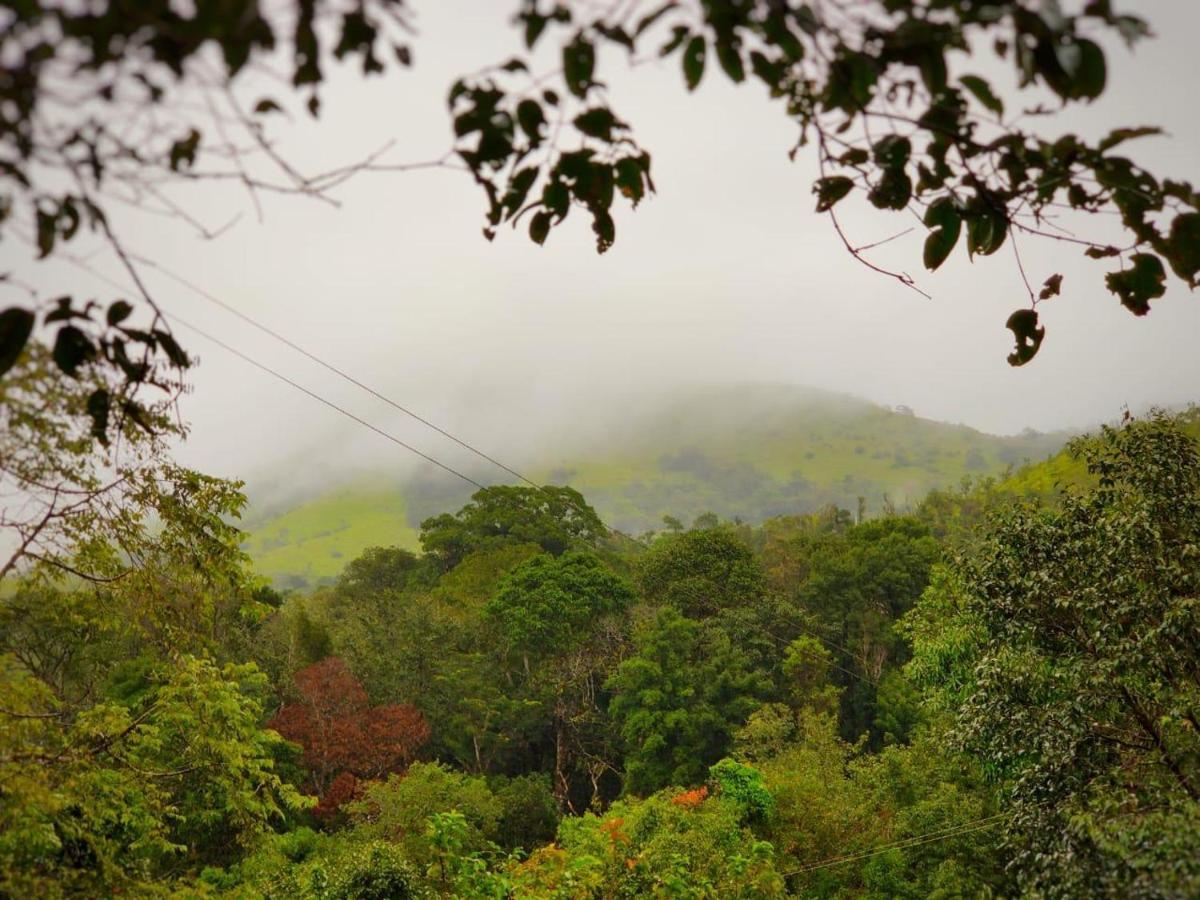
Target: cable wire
{"points": [[341, 373], [343, 411]]}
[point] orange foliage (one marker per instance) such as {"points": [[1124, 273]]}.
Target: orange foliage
{"points": [[343, 735], [691, 799]]}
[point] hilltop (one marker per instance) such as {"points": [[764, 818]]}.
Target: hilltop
{"points": [[739, 452]]}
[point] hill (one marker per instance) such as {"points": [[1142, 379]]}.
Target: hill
{"points": [[739, 452]]}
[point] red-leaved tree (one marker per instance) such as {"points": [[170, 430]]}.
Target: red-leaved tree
{"points": [[344, 737]]}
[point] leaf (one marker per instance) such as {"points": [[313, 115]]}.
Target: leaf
{"points": [[1120, 135], [1029, 336], [679, 34], [892, 152], [629, 179], [1183, 247], [531, 119], [16, 325], [98, 403], [598, 123], [892, 191], [730, 59], [118, 312], [174, 352], [986, 230], [693, 61], [579, 65], [944, 218], [1092, 74], [47, 231], [1051, 287], [830, 190], [183, 151], [72, 349], [1138, 285], [539, 227], [605, 230], [1101, 252], [650, 18], [266, 105], [982, 92]]}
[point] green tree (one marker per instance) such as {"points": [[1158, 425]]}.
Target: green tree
{"points": [[700, 572], [678, 700], [1065, 646], [555, 518], [108, 797], [561, 618]]}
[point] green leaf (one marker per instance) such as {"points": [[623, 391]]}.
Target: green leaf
{"points": [[943, 217], [983, 93], [730, 59], [579, 65], [893, 190], [97, 409], [118, 312], [892, 152], [986, 230], [1051, 287], [47, 232], [531, 119], [72, 349], [604, 228], [174, 352], [1138, 285], [650, 18], [539, 227], [830, 190], [1029, 336], [183, 151], [679, 34], [16, 325], [693, 61], [1183, 247], [1120, 135], [1089, 79], [598, 123]]}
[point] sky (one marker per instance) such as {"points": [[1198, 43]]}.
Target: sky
{"points": [[727, 275]]}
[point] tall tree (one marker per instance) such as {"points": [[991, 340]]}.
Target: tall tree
{"points": [[1065, 646]]}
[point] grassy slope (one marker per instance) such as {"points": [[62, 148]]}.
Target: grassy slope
{"points": [[748, 452], [313, 541]]}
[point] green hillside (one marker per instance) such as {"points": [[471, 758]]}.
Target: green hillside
{"points": [[312, 542], [749, 453]]}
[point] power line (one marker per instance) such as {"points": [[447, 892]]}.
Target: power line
{"points": [[343, 411], [212, 298], [341, 373], [904, 844]]}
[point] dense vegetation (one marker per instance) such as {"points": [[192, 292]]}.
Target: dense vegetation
{"points": [[749, 452], [994, 695]]}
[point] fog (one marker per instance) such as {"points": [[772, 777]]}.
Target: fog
{"points": [[726, 276]]}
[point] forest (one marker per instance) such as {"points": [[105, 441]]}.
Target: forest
{"points": [[993, 692], [838, 651]]}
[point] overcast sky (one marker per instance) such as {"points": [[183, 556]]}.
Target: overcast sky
{"points": [[726, 275]]}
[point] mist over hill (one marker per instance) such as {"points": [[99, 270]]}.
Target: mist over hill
{"points": [[741, 452]]}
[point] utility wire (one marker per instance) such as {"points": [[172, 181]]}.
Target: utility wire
{"points": [[342, 410], [914, 841], [341, 373], [345, 376]]}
